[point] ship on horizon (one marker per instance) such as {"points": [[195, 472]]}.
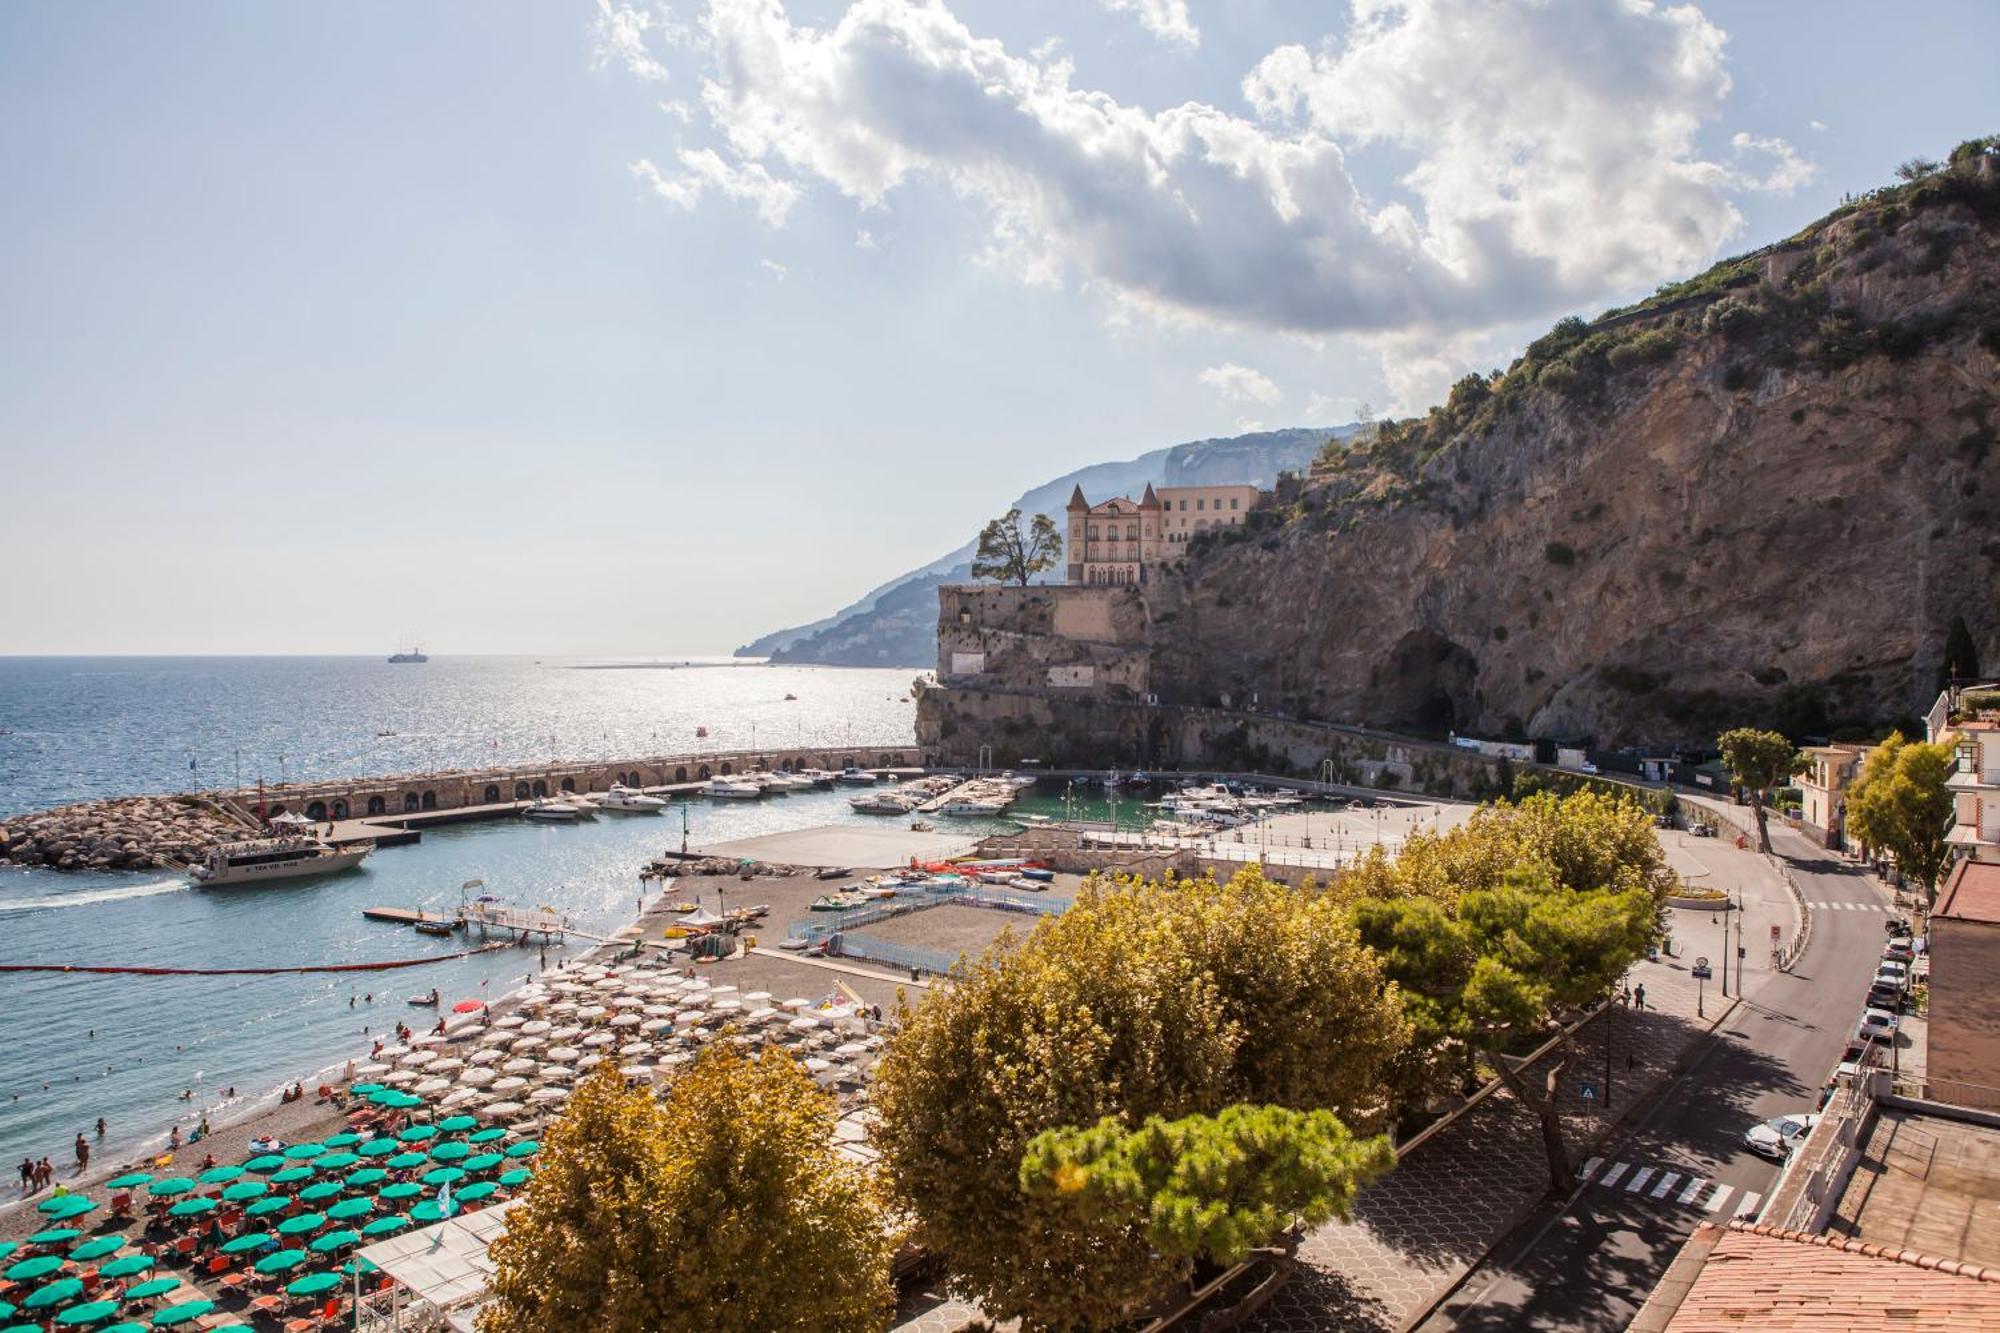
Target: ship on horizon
{"points": [[414, 655]]}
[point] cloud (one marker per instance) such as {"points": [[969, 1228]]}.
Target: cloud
{"points": [[1166, 19], [1241, 384], [706, 170], [864, 239], [774, 268], [1788, 172], [1819, 125], [619, 35]]}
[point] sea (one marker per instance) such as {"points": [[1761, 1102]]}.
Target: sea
{"points": [[74, 1047]]}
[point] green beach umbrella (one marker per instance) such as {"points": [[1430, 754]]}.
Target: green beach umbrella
{"points": [[245, 1244], [270, 1161], [172, 1185], [130, 1180], [282, 1260], [89, 1313], [334, 1240], [343, 1139], [54, 1236], [486, 1161], [41, 1298], [444, 1175], [299, 1152], [335, 1161], [487, 1135], [428, 1211], [357, 1262], [245, 1190], [185, 1313], [348, 1209], [304, 1222], [366, 1176], [525, 1148], [403, 1161], [192, 1207], [476, 1191], [379, 1148], [145, 1291], [321, 1192], [7, 1247], [383, 1226], [277, 1203], [404, 1101], [516, 1178], [7, 1311], [127, 1265], [30, 1269], [97, 1249], [313, 1283], [450, 1152], [408, 1189], [64, 1208], [456, 1124], [219, 1175], [292, 1175], [123, 1328], [363, 1089], [418, 1133]]}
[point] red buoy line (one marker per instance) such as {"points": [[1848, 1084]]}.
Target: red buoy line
{"points": [[247, 971]]}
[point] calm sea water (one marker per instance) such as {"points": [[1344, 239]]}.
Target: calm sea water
{"points": [[75, 1047]]}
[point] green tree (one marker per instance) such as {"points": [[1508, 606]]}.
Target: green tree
{"points": [[1758, 761], [723, 1208], [1171, 999], [1208, 1187], [1901, 805], [1011, 553]]}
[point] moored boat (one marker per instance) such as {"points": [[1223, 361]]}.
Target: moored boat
{"points": [[622, 797]]}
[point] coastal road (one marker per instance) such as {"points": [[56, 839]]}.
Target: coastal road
{"points": [[1589, 1266]]}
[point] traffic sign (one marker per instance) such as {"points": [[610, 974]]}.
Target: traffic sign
{"points": [[1587, 1090], [1702, 962], [1774, 932]]}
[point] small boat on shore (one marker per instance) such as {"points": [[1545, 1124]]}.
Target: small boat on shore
{"points": [[837, 902], [441, 929]]}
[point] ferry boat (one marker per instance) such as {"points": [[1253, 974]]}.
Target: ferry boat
{"points": [[413, 655], [265, 859]]}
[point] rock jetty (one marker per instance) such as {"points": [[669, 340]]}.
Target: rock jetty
{"points": [[126, 833]]}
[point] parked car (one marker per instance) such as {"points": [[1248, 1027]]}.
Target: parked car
{"points": [[1777, 1137], [1893, 970], [1885, 995], [1899, 950], [1895, 925], [1878, 1023]]}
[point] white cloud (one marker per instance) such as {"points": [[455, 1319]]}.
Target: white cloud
{"points": [[864, 239], [1327, 409], [774, 268], [706, 170], [1241, 384], [619, 34], [1819, 125], [1166, 19], [1788, 171], [1248, 425]]}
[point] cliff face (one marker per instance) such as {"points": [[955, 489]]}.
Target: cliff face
{"points": [[1766, 501]]}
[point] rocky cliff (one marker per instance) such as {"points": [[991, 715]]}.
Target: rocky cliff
{"points": [[1764, 495]]}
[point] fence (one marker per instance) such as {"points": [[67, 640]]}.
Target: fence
{"points": [[934, 961], [843, 941]]}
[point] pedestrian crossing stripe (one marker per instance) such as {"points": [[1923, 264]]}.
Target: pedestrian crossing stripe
{"points": [[1666, 1183], [1615, 1174], [1747, 1205], [1849, 907], [1657, 1182], [1715, 1200], [1694, 1187], [1639, 1179]]}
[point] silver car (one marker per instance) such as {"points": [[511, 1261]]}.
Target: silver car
{"points": [[1777, 1137]]}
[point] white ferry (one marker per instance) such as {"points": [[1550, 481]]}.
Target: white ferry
{"points": [[276, 858]]}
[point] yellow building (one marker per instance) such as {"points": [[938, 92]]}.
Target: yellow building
{"points": [[1830, 770], [1119, 541]]}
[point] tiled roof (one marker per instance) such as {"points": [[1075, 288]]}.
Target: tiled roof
{"points": [[1971, 893], [1768, 1279]]}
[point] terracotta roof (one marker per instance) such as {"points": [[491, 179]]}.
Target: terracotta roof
{"points": [[1971, 893], [1760, 1277]]}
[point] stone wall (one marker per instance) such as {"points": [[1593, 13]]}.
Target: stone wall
{"points": [[1090, 640]]}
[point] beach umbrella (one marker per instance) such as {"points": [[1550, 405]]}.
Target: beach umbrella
{"points": [[335, 1161], [292, 1175], [444, 1175], [431, 1087], [516, 1178], [358, 1264], [407, 1189], [54, 1236], [525, 1148], [485, 1057], [245, 1190], [97, 1249], [467, 1007], [277, 1203], [312, 1284], [159, 1286], [280, 1261], [460, 1098], [304, 1222], [7, 1247], [170, 1186], [130, 1180], [545, 1096], [512, 1083], [192, 1207], [478, 1076], [403, 1101], [245, 1244], [40, 1266], [450, 1152], [123, 1328], [270, 1161], [299, 1152], [457, 1124], [64, 1208], [348, 1209], [321, 1192], [503, 1109], [379, 1148], [88, 1313], [404, 1161], [486, 1161], [365, 1177], [417, 1059], [219, 1175], [55, 1293], [430, 1211], [487, 1135], [185, 1313], [364, 1089], [344, 1139], [523, 1065], [474, 1192], [334, 1240], [383, 1226], [128, 1265]]}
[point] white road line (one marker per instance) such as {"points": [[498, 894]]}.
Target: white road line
{"points": [[1639, 1179], [1666, 1183], [1715, 1200], [1746, 1205], [1694, 1187], [1613, 1176], [1590, 1167]]}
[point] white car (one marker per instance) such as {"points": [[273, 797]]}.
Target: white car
{"points": [[1778, 1136], [1878, 1023], [1896, 973]]}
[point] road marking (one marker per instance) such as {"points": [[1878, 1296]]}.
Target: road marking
{"points": [[1639, 1179], [1694, 1187], [1590, 1167], [1613, 1176], [1746, 1205], [1666, 1183], [1715, 1200]]}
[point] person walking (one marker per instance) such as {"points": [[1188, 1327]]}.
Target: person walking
{"points": [[1639, 996]]}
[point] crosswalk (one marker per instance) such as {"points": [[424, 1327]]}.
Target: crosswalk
{"points": [[1850, 907], [1679, 1187]]}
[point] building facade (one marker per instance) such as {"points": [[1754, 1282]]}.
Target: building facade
{"points": [[1830, 771], [1120, 541], [1975, 789], [1964, 1038]]}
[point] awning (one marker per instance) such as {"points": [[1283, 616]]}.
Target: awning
{"points": [[444, 1264]]}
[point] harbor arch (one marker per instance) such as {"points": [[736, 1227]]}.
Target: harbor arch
{"points": [[681, 773], [703, 773], [340, 808], [492, 794], [569, 784], [541, 787], [378, 805], [725, 768], [430, 801], [316, 811], [520, 791], [410, 802]]}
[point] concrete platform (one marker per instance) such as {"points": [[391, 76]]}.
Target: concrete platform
{"points": [[861, 846]]}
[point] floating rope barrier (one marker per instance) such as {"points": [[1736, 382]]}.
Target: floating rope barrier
{"points": [[248, 971]]}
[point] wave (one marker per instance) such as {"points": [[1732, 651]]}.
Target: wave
{"points": [[90, 896]]}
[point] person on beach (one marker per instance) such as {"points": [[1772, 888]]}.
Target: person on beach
{"points": [[27, 1177], [174, 1139], [100, 1129], [82, 1154]]}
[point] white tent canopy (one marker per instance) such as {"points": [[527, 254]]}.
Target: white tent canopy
{"points": [[444, 1265]]}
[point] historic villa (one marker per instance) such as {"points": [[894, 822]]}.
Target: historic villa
{"points": [[1120, 540]]}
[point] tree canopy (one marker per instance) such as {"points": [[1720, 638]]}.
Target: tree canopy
{"points": [[1010, 553], [1900, 804], [1758, 761], [723, 1208]]}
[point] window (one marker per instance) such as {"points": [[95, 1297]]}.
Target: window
{"points": [[1232, 501], [1184, 508], [1093, 532], [1201, 504], [1131, 532]]}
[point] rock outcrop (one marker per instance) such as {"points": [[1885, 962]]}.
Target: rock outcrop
{"points": [[126, 833]]}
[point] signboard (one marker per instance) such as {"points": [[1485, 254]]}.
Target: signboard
{"points": [[968, 664], [1586, 1090], [1774, 934], [1700, 971]]}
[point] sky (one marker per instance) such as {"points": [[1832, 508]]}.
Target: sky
{"points": [[605, 328]]}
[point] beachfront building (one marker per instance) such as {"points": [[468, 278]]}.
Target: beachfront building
{"points": [[1830, 770], [1975, 789], [1963, 1053], [1120, 540]]}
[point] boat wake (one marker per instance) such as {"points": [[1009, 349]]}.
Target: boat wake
{"points": [[90, 896]]}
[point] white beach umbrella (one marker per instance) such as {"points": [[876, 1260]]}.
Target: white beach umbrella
{"points": [[509, 1021], [795, 1003], [637, 1071], [371, 1070], [632, 1048], [477, 1078], [451, 1064], [462, 1097], [757, 997], [592, 1011], [417, 1058], [763, 1015], [674, 1059], [569, 1033], [589, 1062], [727, 1006], [563, 1007], [431, 1087], [850, 1049], [496, 1039], [557, 1074], [597, 1040], [722, 990], [687, 1018], [656, 1024], [815, 1065], [530, 1044], [803, 1023], [486, 1056], [502, 1110], [607, 984], [398, 1077], [392, 1052], [628, 1002], [522, 1065], [536, 1028], [626, 1021], [546, 1095], [512, 1083], [562, 1053]]}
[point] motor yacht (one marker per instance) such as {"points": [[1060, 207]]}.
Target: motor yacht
{"points": [[857, 777], [622, 797], [882, 803], [554, 812], [732, 789]]}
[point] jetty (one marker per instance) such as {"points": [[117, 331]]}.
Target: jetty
{"points": [[487, 918]]}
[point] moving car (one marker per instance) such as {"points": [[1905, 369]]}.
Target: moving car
{"points": [[1778, 1136]]}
